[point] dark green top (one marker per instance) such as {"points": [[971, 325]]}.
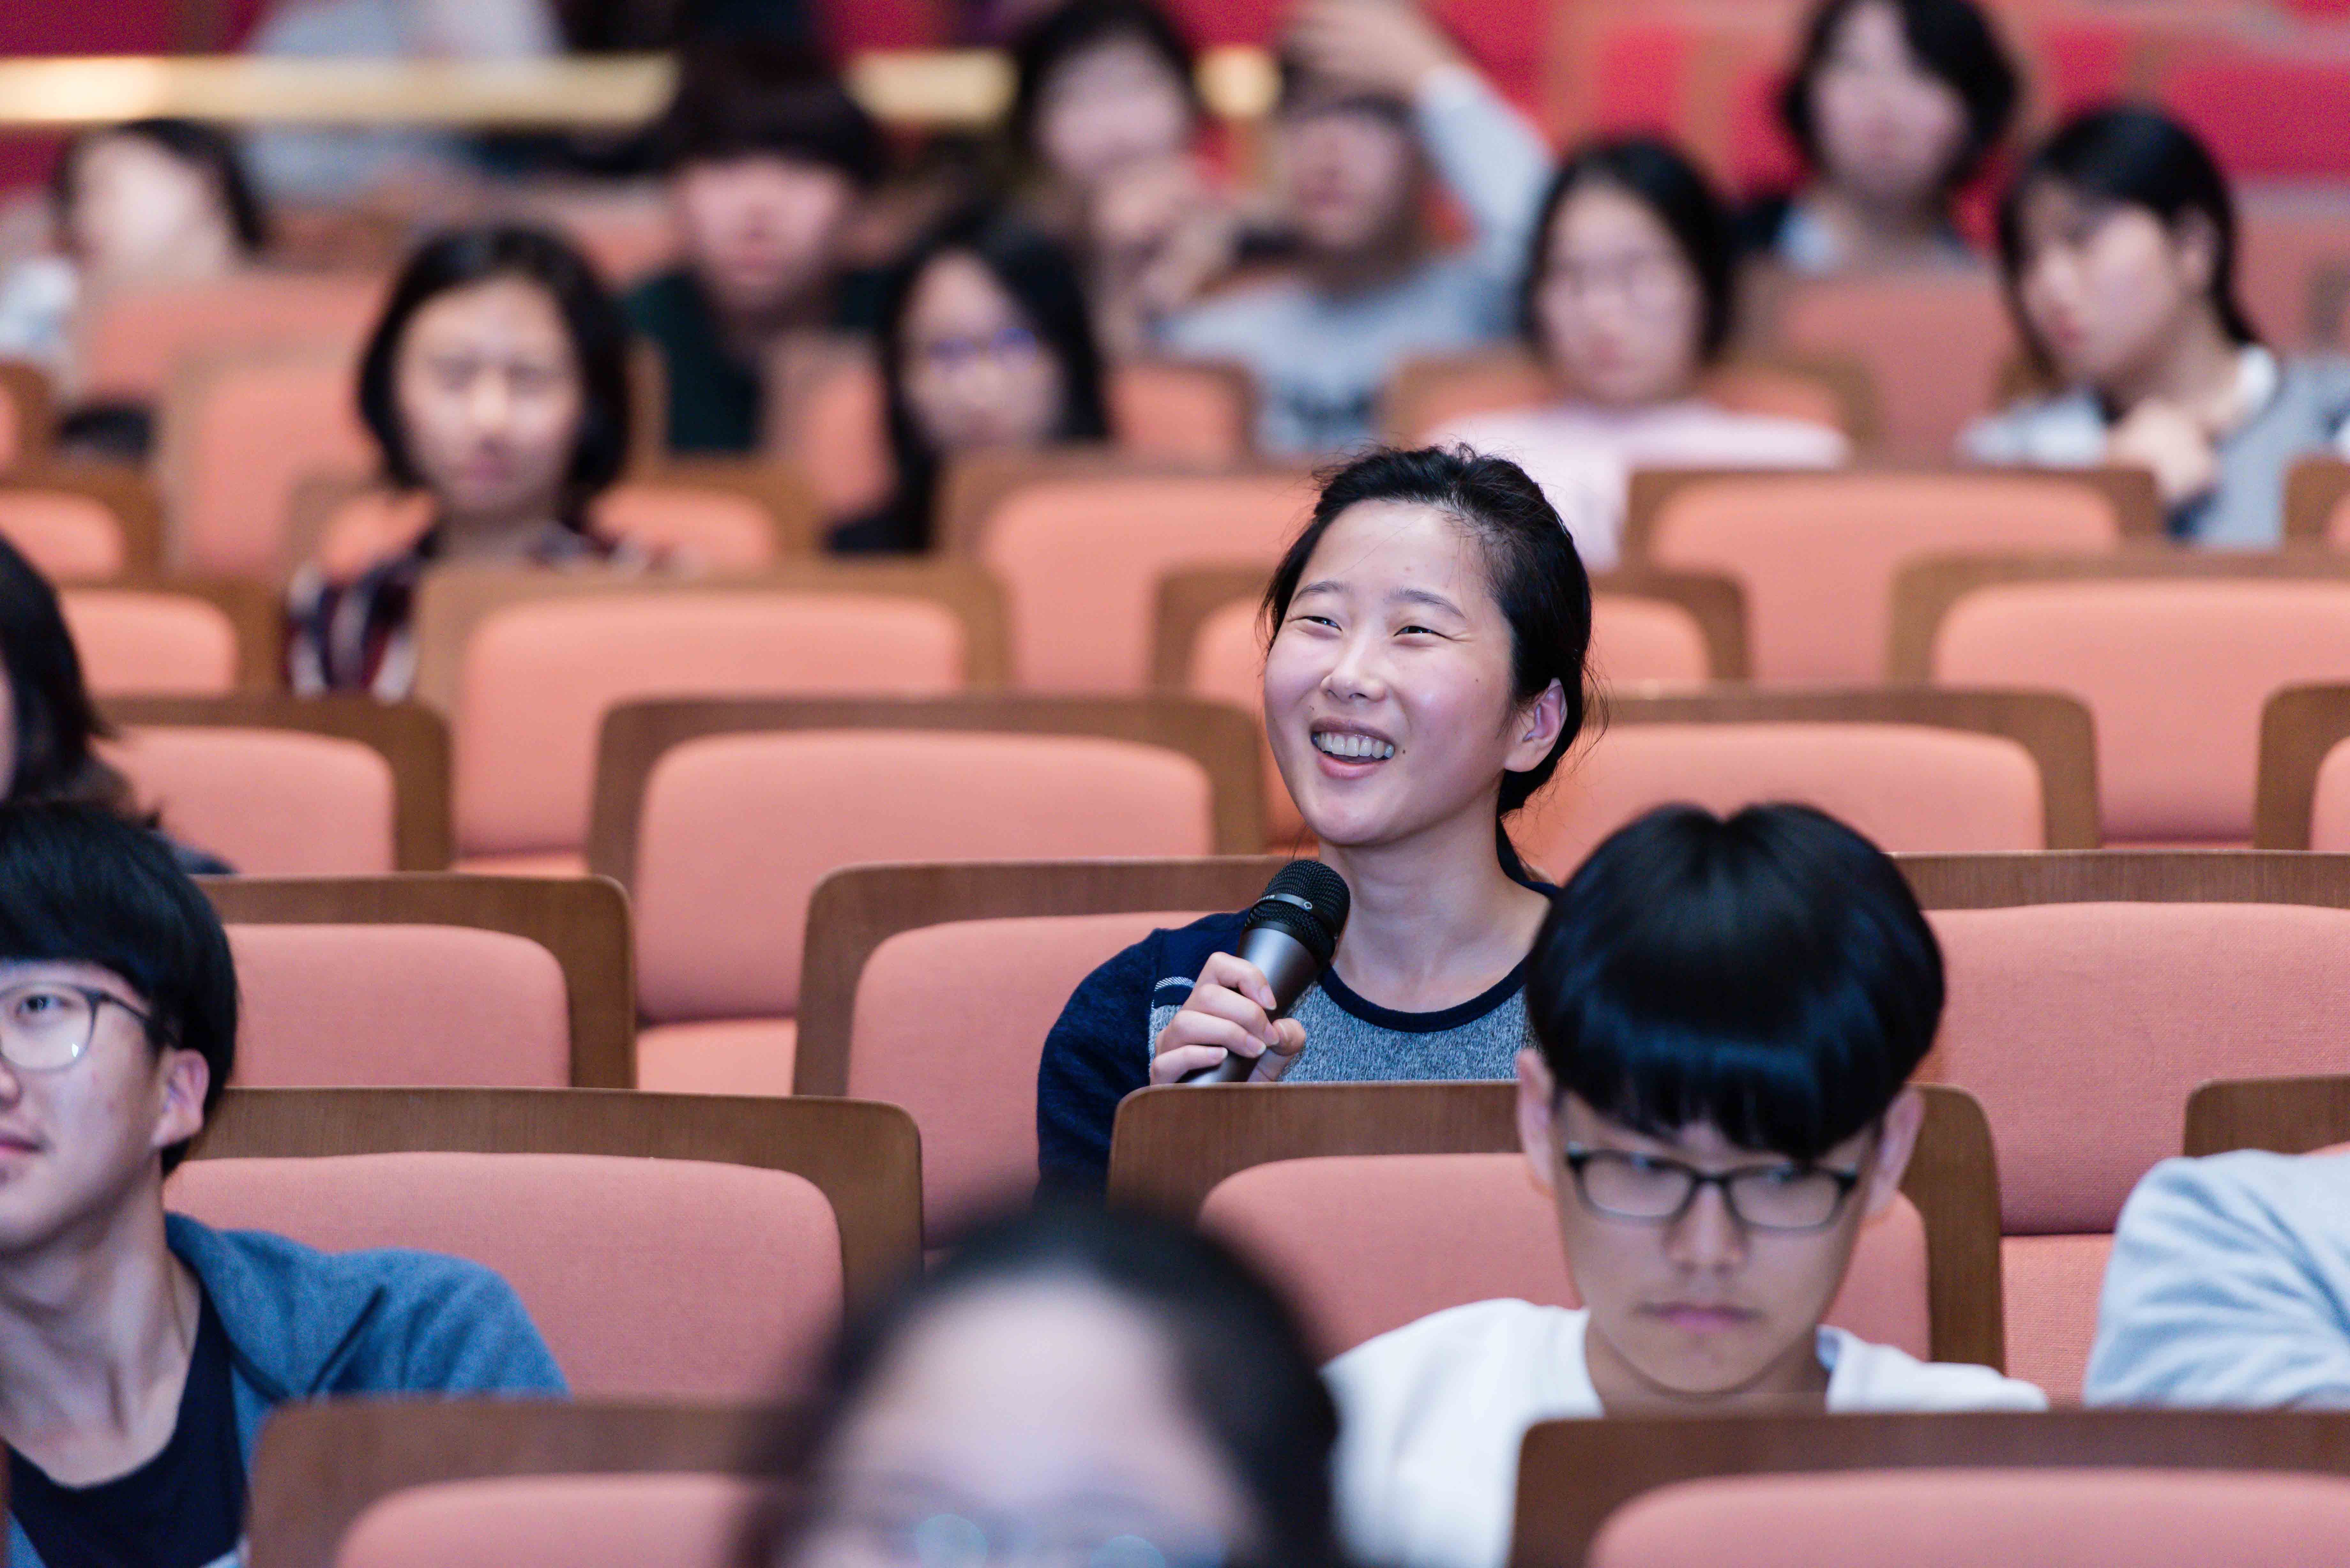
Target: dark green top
{"points": [[715, 398]]}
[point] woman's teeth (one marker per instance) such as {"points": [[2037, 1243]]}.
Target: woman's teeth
{"points": [[1355, 747]]}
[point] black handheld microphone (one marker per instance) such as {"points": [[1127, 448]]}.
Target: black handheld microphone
{"points": [[1292, 932]]}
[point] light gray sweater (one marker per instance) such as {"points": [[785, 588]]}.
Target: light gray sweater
{"points": [[2230, 1285]]}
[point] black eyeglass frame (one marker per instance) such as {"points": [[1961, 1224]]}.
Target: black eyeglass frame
{"points": [[1577, 1158], [97, 997]]}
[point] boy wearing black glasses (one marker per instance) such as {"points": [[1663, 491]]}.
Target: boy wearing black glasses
{"points": [[1728, 1014], [140, 1352]]}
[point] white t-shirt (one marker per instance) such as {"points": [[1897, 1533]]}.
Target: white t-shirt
{"points": [[1431, 1416], [1583, 455]]}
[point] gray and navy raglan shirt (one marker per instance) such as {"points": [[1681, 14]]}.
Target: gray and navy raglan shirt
{"points": [[1100, 1050]]}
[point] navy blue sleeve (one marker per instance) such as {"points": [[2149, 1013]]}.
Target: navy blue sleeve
{"points": [[1095, 1055]]}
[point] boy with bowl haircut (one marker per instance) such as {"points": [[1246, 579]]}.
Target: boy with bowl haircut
{"points": [[1728, 1013]]}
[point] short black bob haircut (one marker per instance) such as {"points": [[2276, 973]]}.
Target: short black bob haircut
{"points": [[2129, 156], [1951, 38], [1533, 568], [206, 147], [56, 723], [745, 96], [1769, 974], [461, 258], [79, 884], [1240, 1354], [1071, 29], [1660, 178]]}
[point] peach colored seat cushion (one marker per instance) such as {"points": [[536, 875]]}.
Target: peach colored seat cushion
{"points": [[271, 802], [1080, 561], [972, 1085], [542, 863], [378, 1006], [1368, 1243], [648, 1278], [1816, 555], [716, 529], [67, 537], [2051, 1284], [1933, 344], [1177, 412], [2056, 1517], [1909, 787], [2084, 1027], [737, 830], [132, 342], [162, 645], [1635, 641], [657, 1520], [2329, 806], [538, 678], [240, 451], [2176, 674], [719, 1057]]}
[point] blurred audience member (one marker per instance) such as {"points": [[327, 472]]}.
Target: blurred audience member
{"points": [[2119, 244], [497, 387], [140, 1352], [345, 163], [767, 156], [1894, 104], [1627, 299], [153, 201], [1071, 1385], [49, 728], [2230, 1285], [1372, 92], [1106, 116], [986, 346]]}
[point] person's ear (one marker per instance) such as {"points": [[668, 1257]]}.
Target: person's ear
{"points": [[1894, 1144], [187, 1078], [1534, 729], [1538, 1118], [2194, 240]]}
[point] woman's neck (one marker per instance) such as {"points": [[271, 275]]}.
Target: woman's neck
{"points": [[491, 538], [2196, 370], [1434, 921], [1869, 234]]}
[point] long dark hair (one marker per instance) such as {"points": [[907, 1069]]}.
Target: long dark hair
{"points": [[2133, 157], [56, 722], [1042, 279], [1535, 573], [591, 318], [1240, 1354], [1659, 177]]}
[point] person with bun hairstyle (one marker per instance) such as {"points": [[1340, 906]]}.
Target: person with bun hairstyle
{"points": [[2118, 241], [1425, 674], [1726, 1015]]}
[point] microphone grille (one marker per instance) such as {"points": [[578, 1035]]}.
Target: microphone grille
{"points": [[1314, 890]]}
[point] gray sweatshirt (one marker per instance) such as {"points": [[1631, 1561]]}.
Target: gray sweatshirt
{"points": [[1320, 359], [305, 1324], [2230, 1285]]}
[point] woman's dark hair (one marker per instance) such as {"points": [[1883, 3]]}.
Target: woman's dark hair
{"points": [[1043, 280], [2132, 157], [1769, 974], [1951, 38], [83, 885], [1536, 576], [1240, 1354], [462, 258], [206, 147], [738, 98], [1045, 44], [1661, 178], [56, 722]]}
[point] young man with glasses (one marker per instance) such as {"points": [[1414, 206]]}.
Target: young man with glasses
{"points": [[139, 1352], [1728, 1013]]}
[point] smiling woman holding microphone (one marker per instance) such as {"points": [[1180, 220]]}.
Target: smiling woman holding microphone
{"points": [[1424, 677]]}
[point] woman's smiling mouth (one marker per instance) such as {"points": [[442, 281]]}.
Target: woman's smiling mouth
{"points": [[1349, 746]]}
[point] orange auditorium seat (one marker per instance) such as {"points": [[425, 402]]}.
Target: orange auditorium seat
{"points": [[1933, 344], [579, 1521], [133, 343], [239, 434], [82, 524], [27, 414], [1181, 411], [140, 641]]}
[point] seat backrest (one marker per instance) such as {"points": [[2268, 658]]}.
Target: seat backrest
{"points": [[1080, 558], [735, 830], [137, 642], [28, 417], [2285, 1115], [1933, 344], [271, 802], [613, 1258], [1816, 554], [68, 536], [239, 434], [1181, 411], [718, 530], [2055, 1518], [1368, 1243], [582, 1522], [2156, 660], [133, 344], [1430, 391], [538, 676]]}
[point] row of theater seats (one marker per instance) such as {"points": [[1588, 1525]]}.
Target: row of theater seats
{"points": [[2090, 994]]}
